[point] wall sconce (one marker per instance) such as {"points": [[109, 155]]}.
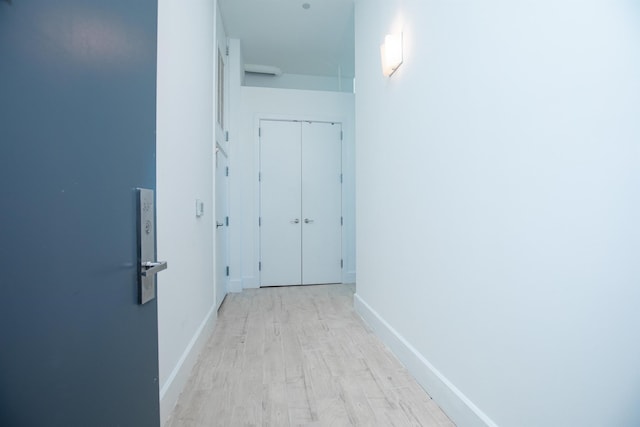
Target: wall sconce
{"points": [[391, 53]]}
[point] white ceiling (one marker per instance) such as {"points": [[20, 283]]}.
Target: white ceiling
{"points": [[281, 33]]}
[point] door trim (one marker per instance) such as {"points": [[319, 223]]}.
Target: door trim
{"points": [[249, 278], [219, 151], [257, 190]]}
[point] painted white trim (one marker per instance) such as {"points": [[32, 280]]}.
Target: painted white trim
{"points": [[349, 277], [250, 282], [235, 286], [454, 403], [170, 391]]}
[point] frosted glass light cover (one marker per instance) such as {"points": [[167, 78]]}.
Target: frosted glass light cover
{"points": [[391, 53]]}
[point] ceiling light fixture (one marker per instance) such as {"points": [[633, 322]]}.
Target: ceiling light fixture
{"points": [[391, 53], [306, 6]]}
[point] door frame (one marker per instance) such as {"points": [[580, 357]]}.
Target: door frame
{"points": [[256, 184], [220, 141], [219, 151]]}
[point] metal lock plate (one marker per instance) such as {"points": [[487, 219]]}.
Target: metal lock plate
{"points": [[147, 265]]}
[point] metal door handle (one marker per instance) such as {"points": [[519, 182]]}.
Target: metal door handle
{"points": [[295, 221], [308, 221], [149, 268], [219, 224]]}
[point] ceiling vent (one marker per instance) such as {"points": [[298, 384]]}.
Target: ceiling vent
{"points": [[262, 69]]}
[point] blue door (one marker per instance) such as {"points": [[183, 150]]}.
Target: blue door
{"points": [[77, 137]]}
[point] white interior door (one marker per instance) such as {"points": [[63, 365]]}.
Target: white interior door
{"points": [[280, 204], [300, 203], [321, 203], [221, 233]]}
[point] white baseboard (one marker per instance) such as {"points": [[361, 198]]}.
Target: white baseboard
{"points": [[349, 277], [170, 391], [455, 404], [235, 286], [250, 282]]}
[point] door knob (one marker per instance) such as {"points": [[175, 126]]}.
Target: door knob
{"points": [[308, 221], [295, 221], [149, 267]]}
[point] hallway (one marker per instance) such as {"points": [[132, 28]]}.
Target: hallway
{"points": [[299, 356]]}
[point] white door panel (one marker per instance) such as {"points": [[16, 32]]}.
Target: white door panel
{"points": [[221, 237], [280, 216], [321, 203], [300, 203]]}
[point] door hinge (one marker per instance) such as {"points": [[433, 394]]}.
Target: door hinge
{"points": [[259, 221], [341, 220], [227, 271], [341, 178], [227, 221], [226, 172], [226, 136], [341, 264], [341, 136], [259, 131], [260, 266], [226, 50], [259, 176]]}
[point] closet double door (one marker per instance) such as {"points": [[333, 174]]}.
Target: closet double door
{"points": [[300, 203]]}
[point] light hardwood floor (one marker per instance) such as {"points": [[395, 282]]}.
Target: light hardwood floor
{"points": [[299, 356]]}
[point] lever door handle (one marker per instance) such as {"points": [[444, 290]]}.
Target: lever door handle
{"points": [[295, 221], [308, 221], [219, 224], [149, 268]]}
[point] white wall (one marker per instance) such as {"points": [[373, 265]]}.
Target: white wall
{"points": [[505, 155], [184, 174], [300, 81], [256, 103]]}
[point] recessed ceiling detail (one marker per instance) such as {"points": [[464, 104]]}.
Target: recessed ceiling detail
{"points": [[284, 34]]}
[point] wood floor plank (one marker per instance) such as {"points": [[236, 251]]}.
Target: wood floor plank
{"points": [[356, 403], [301, 400], [273, 357], [299, 356], [389, 413], [246, 400], [333, 412], [275, 410], [417, 407], [292, 353]]}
